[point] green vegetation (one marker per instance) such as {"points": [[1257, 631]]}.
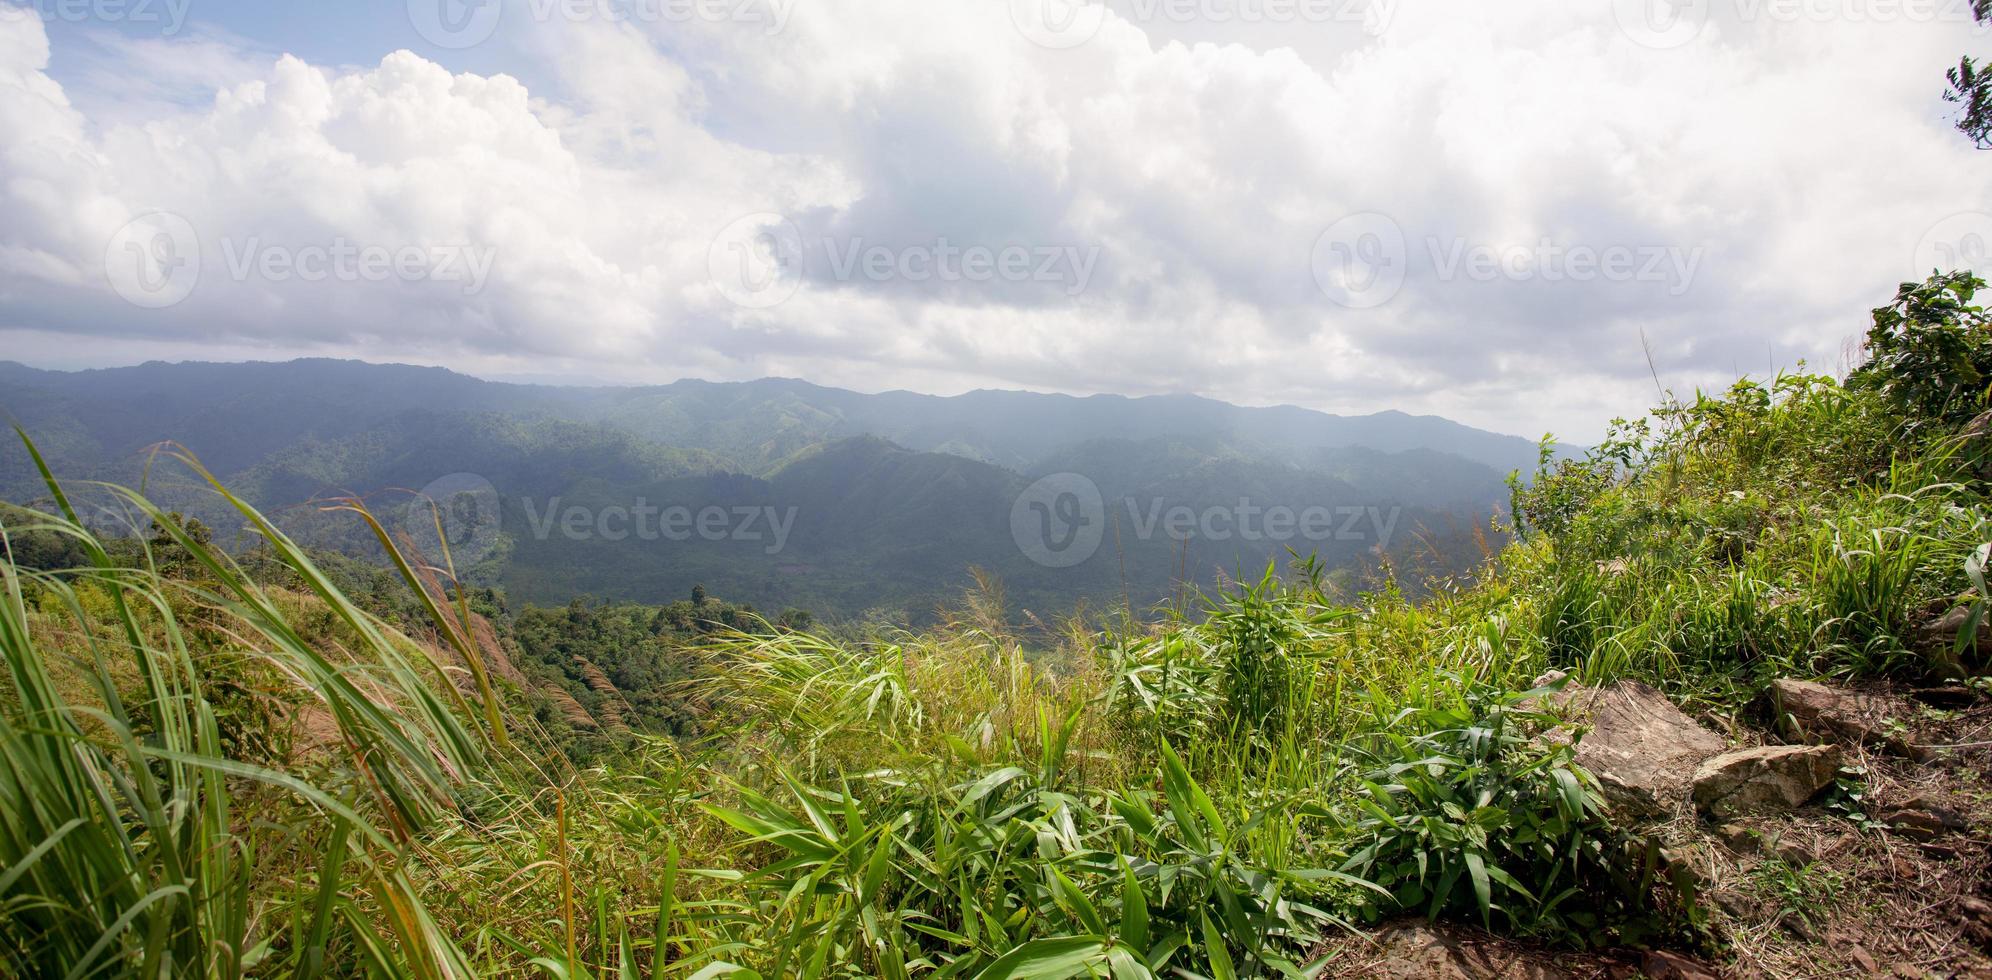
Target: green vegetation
{"points": [[218, 765], [883, 501]]}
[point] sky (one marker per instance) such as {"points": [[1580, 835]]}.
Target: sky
{"points": [[1526, 216]]}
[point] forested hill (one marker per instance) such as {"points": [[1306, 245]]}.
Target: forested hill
{"points": [[260, 406], [819, 498]]}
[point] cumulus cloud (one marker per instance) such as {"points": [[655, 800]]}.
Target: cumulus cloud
{"points": [[933, 201]]}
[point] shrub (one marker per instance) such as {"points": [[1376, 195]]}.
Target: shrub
{"points": [[1930, 352], [1465, 812]]}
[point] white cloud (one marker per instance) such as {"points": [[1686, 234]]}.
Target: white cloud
{"points": [[1796, 163]]}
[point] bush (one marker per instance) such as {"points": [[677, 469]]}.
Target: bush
{"points": [[1930, 352], [1465, 812]]}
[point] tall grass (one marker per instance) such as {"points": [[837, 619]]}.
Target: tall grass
{"points": [[122, 810], [1210, 794]]}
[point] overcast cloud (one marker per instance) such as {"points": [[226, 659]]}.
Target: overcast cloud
{"points": [[1469, 210]]}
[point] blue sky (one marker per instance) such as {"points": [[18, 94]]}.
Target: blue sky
{"points": [[1489, 214]]}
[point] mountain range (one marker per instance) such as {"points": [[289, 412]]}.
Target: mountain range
{"points": [[780, 492]]}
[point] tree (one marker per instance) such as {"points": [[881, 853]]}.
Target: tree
{"points": [[166, 549], [1971, 87], [1930, 352]]}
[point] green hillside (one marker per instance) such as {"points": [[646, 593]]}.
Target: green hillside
{"points": [[223, 768], [885, 501]]}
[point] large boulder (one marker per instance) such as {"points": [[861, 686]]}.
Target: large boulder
{"points": [[1764, 779], [1642, 748], [1811, 712]]}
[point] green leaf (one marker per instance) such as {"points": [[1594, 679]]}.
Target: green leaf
{"points": [[1482, 894], [1078, 904], [1221, 967], [1048, 959], [1134, 909]]}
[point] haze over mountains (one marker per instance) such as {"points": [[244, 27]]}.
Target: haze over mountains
{"points": [[779, 492]]}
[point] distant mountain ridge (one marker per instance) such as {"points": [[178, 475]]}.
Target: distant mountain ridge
{"points": [[758, 424], [893, 496]]}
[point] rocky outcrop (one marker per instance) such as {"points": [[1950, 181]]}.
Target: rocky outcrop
{"points": [[1642, 748], [1811, 712], [1764, 779]]}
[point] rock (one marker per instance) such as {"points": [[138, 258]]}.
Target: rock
{"points": [[1938, 638], [1863, 959], [1976, 439], [1741, 838], [1949, 697], [1642, 749], [1660, 965], [1414, 950], [1796, 854], [1816, 712], [1975, 916], [1764, 779], [1550, 677], [1738, 904], [1919, 819]]}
